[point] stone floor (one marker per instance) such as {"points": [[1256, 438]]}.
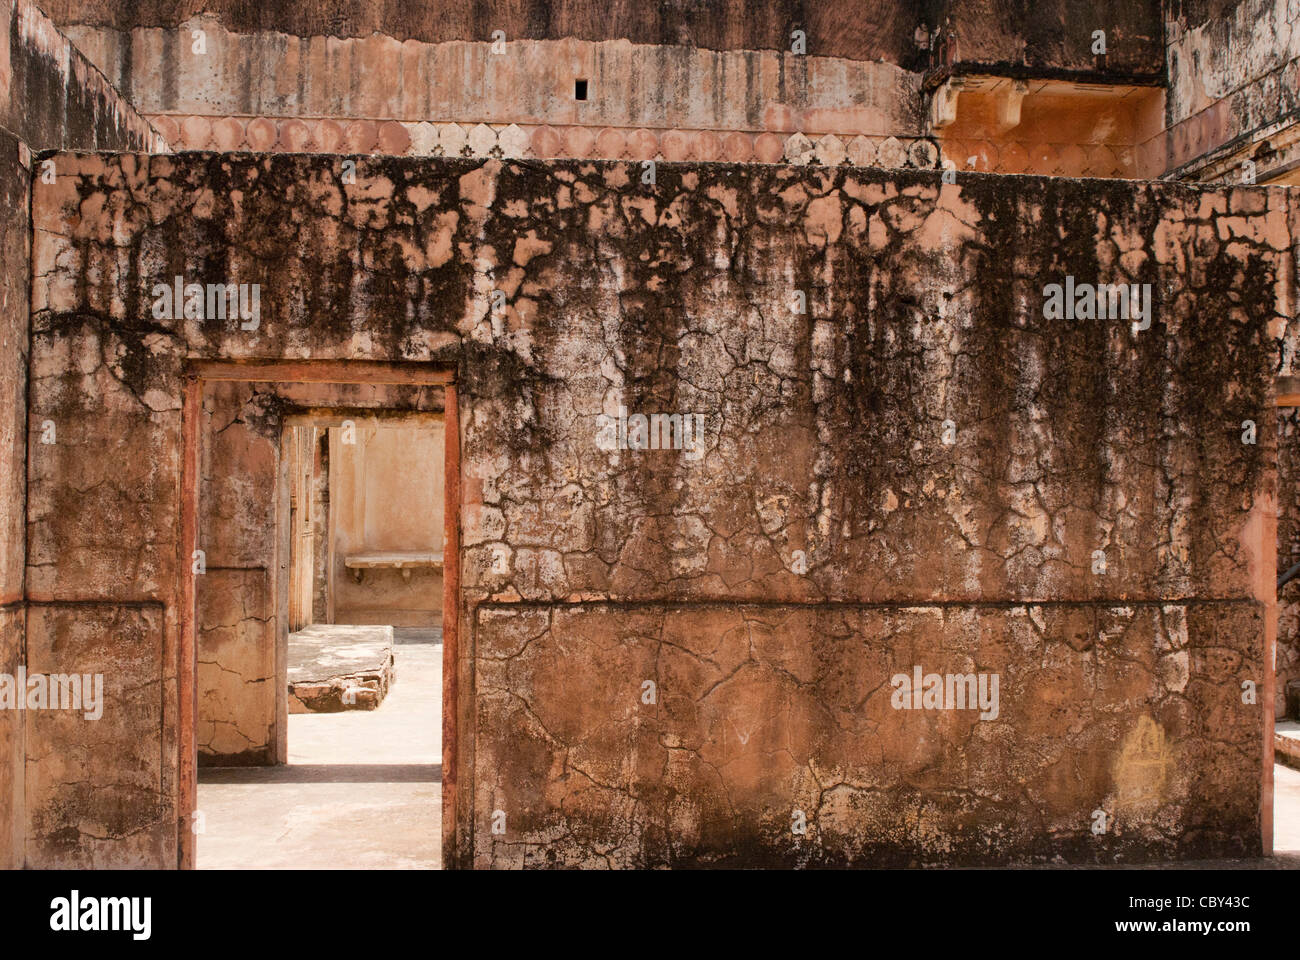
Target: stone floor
{"points": [[362, 789]]}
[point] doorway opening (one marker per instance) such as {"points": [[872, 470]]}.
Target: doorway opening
{"points": [[321, 513]]}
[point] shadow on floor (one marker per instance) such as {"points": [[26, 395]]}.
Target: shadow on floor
{"points": [[417, 635], [326, 773]]}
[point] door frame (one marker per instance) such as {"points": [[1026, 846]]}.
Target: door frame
{"points": [[201, 372]]}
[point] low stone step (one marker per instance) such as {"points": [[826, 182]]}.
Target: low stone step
{"points": [[335, 667]]}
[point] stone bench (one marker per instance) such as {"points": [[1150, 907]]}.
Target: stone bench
{"points": [[359, 563]]}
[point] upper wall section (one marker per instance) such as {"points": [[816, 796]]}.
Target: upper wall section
{"points": [[1025, 38], [382, 77], [859, 30], [1008, 34], [1250, 49], [208, 86], [1234, 87], [52, 97]]}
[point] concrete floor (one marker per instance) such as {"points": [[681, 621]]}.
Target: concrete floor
{"points": [[362, 788], [1286, 812]]}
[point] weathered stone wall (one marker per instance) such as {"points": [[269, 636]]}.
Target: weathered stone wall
{"points": [[1288, 554], [916, 471], [1053, 36], [15, 271], [52, 97], [236, 605], [1016, 38], [1234, 73], [870, 30], [1240, 56]]}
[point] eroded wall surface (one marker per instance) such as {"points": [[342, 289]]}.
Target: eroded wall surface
{"points": [[1053, 39], [52, 97], [908, 466], [1234, 80], [877, 29], [235, 595], [15, 273], [1287, 692]]}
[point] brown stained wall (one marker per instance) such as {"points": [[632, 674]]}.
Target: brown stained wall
{"points": [[1288, 554], [586, 572], [1053, 37], [15, 273], [52, 97], [388, 497], [1234, 69], [873, 30]]}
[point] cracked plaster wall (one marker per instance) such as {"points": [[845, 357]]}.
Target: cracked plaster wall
{"points": [[586, 572], [1013, 37], [14, 297], [236, 594], [1234, 69], [1288, 554], [50, 97]]}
